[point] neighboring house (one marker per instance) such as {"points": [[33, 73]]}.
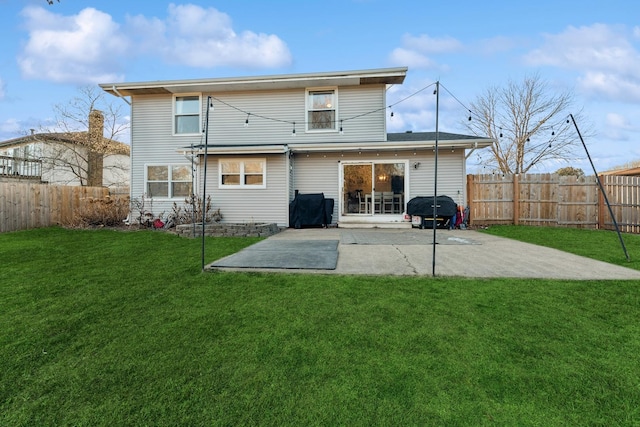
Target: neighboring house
{"points": [[69, 158], [632, 171], [271, 136]]}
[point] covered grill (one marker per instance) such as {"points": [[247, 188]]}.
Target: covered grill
{"points": [[423, 207]]}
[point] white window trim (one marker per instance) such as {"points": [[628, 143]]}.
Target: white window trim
{"points": [[169, 181], [242, 185], [308, 108], [173, 113]]}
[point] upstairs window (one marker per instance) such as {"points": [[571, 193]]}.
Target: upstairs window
{"points": [[168, 181], [186, 113], [243, 173], [322, 105]]}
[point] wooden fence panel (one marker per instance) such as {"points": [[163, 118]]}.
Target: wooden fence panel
{"points": [[623, 193], [552, 200], [24, 205], [537, 199], [578, 201], [491, 199]]}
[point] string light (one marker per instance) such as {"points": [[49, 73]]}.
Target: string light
{"points": [[293, 133], [341, 127]]}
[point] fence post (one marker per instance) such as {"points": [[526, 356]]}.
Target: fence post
{"points": [[601, 214], [470, 188], [516, 199]]}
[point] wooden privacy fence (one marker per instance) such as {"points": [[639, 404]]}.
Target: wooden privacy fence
{"points": [[24, 205], [553, 200]]}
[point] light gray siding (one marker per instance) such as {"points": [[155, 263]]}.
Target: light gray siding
{"points": [[152, 142], [271, 115], [451, 175], [270, 204], [320, 173]]}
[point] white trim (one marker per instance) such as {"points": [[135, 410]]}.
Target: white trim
{"points": [[174, 114], [372, 218], [169, 181], [242, 174], [308, 108]]}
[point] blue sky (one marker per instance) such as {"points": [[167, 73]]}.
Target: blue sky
{"points": [[591, 48]]}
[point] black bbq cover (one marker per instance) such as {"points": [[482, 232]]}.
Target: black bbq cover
{"points": [[423, 206], [310, 210]]}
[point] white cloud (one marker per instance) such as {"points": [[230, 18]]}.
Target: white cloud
{"points": [[605, 56], [199, 37], [426, 44], [10, 126], [617, 121], [80, 49], [415, 51], [410, 58]]}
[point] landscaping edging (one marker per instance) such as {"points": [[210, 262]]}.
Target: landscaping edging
{"points": [[228, 230]]}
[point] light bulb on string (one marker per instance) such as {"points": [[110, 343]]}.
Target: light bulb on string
{"points": [[246, 121], [293, 132]]}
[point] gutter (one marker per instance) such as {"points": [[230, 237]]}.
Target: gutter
{"points": [[120, 95]]}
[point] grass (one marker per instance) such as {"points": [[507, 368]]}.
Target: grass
{"points": [[115, 328]]}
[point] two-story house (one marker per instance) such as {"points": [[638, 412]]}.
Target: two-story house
{"points": [[267, 137]]}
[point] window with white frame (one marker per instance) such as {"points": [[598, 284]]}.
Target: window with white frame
{"points": [[243, 173], [322, 105], [186, 114], [168, 181]]}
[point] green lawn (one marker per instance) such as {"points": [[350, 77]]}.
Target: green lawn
{"points": [[122, 328]]}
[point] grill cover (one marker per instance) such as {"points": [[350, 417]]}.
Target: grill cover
{"points": [[423, 206], [310, 210]]}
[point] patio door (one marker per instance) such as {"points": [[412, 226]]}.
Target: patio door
{"points": [[373, 188]]}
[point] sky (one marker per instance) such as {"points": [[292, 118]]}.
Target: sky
{"points": [[588, 48]]}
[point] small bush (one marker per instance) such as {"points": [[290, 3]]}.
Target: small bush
{"points": [[192, 209], [105, 212]]}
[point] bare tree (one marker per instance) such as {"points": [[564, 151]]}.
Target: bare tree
{"points": [[84, 136], [529, 122]]}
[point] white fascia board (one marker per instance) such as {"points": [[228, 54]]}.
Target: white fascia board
{"points": [[229, 149], [390, 146]]}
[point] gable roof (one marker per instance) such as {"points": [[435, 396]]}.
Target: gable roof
{"points": [[283, 81], [78, 138]]}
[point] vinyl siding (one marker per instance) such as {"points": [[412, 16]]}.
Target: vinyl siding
{"points": [[260, 205], [152, 142], [273, 112], [320, 172], [270, 122]]}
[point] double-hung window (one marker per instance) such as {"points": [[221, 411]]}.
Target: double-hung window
{"points": [[247, 173], [168, 181], [186, 115], [322, 106]]}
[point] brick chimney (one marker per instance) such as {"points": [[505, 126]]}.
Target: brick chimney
{"points": [[96, 148]]}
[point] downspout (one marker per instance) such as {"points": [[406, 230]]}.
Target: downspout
{"points": [[113, 87], [119, 94], [475, 146]]}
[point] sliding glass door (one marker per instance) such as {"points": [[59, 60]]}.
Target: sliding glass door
{"points": [[373, 188]]}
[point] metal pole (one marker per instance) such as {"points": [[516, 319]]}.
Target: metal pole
{"points": [[204, 178], [193, 196], [434, 223], [604, 194]]}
